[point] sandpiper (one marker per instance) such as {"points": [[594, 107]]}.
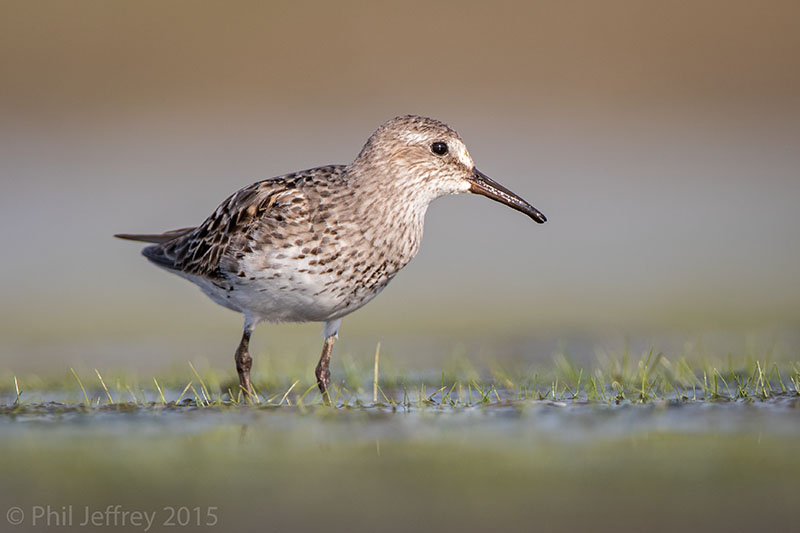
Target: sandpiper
{"points": [[315, 245]]}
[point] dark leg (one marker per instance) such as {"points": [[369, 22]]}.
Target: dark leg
{"points": [[244, 362], [323, 371], [330, 331]]}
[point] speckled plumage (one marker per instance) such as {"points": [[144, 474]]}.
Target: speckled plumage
{"points": [[318, 244]]}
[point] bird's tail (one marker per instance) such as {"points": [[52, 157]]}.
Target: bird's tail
{"points": [[157, 238]]}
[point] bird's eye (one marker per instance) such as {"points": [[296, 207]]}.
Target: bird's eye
{"points": [[439, 148]]}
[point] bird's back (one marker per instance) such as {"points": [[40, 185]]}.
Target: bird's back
{"points": [[252, 219]]}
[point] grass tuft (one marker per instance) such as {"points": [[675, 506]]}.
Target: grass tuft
{"points": [[83, 389], [613, 379]]}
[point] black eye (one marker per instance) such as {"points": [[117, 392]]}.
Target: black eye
{"points": [[439, 148]]}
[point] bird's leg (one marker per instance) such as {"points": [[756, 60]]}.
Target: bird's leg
{"points": [[331, 332], [323, 371], [244, 362]]}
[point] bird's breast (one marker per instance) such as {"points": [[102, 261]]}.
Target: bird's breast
{"points": [[310, 282]]}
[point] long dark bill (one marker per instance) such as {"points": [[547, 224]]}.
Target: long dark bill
{"points": [[482, 184]]}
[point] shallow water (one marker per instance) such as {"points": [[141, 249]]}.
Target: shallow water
{"points": [[570, 420], [507, 464]]}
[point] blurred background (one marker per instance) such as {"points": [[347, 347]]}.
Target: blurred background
{"points": [[660, 139]]}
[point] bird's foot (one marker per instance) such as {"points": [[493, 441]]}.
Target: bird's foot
{"points": [[243, 364], [247, 388], [323, 375]]}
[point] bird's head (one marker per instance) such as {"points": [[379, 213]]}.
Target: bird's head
{"points": [[428, 157]]}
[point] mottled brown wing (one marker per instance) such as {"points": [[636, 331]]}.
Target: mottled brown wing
{"points": [[241, 223]]}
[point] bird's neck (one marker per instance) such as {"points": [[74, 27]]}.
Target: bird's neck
{"points": [[394, 211]]}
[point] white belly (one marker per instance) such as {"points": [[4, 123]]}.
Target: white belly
{"points": [[291, 297]]}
